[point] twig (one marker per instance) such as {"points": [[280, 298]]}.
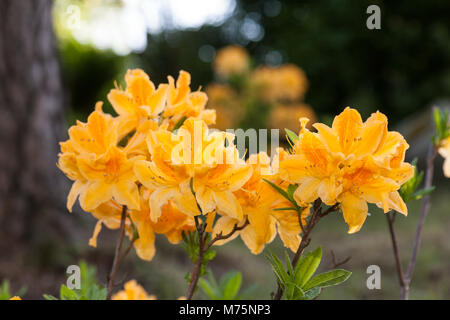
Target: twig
{"points": [[195, 275], [305, 241], [338, 263], [229, 234], [204, 247], [390, 219], [426, 203], [116, 260]]}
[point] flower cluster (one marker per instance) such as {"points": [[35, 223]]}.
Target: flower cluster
{"points": [[352, 163], [158, 163]]}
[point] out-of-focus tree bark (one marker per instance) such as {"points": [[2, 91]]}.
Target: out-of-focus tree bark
{"points": [[31, 121]]}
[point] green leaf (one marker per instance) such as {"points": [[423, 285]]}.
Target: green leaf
{"points": [[285, 209], [311, 294], [179, 123], [290, 192], [232, 285], [291, 135], [419, 194], [293, 291], [282, 192], [209, 289], [289, 265], [49, 297], [306, 268], [277, 268], [327, 279], [67, 294]]}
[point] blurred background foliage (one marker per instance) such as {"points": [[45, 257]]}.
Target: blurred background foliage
{"points": [[400, 70]]}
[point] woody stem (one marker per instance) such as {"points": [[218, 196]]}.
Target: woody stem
{"points": [[401, 278], [426, 203], [195, 275], [304, 242], [117, 257], [204, 247]]}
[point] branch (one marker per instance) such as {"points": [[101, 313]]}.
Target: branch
{"points": [[116, 260], [305, 241], [219, 236], [426, 203], [338, 263], [390, 219], [204, 247]]}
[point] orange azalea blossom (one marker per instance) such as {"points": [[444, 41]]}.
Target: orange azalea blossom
{"points": [[16, 298], [140, 100], [258, 200], [171, 223], [193, 159], [182, 103], [351, 163], [108, 176], [133, 291], [444, 150], [90, 140]]}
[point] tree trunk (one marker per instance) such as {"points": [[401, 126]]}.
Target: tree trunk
{"points": [[31, 123]]}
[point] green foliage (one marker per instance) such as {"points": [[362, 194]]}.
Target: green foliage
{"points": [[298, 283], [442, 125], [288, 194], [90, 289], [409, 190], [292, 136], [227, 288], [191, 246], [5, 291]]}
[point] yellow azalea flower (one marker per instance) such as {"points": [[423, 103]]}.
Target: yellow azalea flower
{"points": [[285, 83], [258, 200], [352, 163], [96, 135], [231, 60], [91, 139], [110, 176], [171, 223], [133, 291], [444, 150], [16, 298], [140, 100], [194, 156], [182, 103]]}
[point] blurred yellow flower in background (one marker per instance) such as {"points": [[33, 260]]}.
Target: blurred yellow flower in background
{"points": [[285, 83], [133, 291], [225, 100], [231, 60], [285, 116]]}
